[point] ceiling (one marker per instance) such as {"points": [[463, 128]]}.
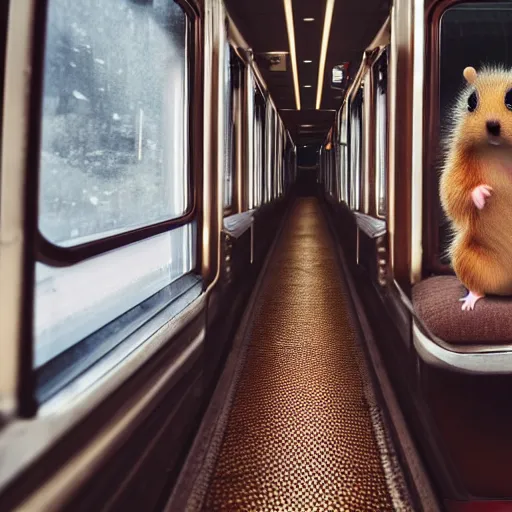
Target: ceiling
{"points": [[263, 25]]}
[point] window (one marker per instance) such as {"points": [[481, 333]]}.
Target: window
{"points": [[330, 174], [270, 150], [4, 8], [231, 87], [114, 145], [279, 159], [380, 71], [471, 34], [114, 157], [282, 158], [259, 146], [356, 146], [344, 167], [337, 154]]}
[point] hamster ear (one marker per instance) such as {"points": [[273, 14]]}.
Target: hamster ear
{"points": [[470, 75]]}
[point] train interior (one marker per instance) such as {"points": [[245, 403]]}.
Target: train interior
{"points": [[224, 264]]}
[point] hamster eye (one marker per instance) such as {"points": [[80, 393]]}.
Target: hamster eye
{"points": [[472, 101], [508, 99]]}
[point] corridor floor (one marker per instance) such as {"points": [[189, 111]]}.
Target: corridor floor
{"points": [[300, 435]]}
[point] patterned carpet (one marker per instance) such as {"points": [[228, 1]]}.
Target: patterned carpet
{"points": [[301, 433]]}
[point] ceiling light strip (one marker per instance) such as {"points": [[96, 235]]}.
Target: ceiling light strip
{"points": [[288, 11], [329, 9]]}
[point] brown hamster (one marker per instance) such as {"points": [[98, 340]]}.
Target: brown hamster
{"points": [[476, 185]]}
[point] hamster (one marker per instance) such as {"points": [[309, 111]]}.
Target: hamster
{"points": [[476, 185]]}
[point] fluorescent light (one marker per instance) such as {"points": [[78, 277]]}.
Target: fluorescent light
{"points": [[309, 19], [307, 125], [329, 9], [307, 61], [307, 86], [288, 11]]}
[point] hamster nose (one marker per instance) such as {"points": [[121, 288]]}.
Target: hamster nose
{"points": [[493, 127]]}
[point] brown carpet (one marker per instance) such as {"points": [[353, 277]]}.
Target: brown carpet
{"points": [[299, 435]]}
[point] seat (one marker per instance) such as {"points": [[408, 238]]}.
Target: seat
{"points": [[436, 303]]}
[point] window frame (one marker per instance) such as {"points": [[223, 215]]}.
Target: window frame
{"points": [[58, 256]]}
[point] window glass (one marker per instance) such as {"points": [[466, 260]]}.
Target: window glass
{"points": [[356, 145], [114, 142], [73, 302], [471, 34], [381, 133]]}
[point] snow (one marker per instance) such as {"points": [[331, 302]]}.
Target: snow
{"points": [[80, 96]]}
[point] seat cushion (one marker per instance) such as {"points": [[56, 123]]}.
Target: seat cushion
{"points": [[436, 302]]}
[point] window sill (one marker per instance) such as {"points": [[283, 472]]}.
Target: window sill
{"points": [[371, 226], [236, 225]]}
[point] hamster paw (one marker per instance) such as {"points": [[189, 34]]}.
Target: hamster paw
{"points": [[479, 195], [469, 301]]}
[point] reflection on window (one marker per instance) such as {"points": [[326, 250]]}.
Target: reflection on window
{"points": [[471, 34], [356, 145], [381, 134], [115, 118], [74, 302]]}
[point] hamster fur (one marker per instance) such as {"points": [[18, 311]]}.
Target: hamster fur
{"points": [[476, 184]]}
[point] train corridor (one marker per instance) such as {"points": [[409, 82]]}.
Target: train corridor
{"points": [[295, 426]]}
